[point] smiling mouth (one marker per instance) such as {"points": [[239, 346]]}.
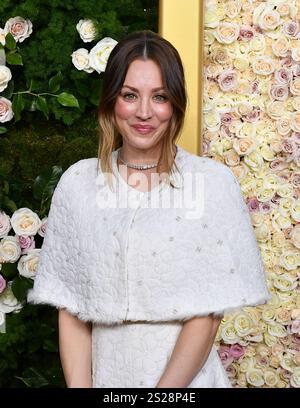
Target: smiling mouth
{"points": [[143, 129]]}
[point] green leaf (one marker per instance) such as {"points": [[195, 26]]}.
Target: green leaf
{"points": [[45, 183], [9, 270], [14, 58], [9, 204], [18, 106], [2, 130], [69, 100], [20, 286], [32, 378], [32, 85], [10, 42], [55, 82], [41, 105]]}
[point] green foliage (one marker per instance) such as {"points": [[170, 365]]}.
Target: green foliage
{"points": [[49, 134], [29, 350]]}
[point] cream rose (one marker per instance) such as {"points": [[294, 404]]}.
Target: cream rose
{"points": [[255, 377], [244, 146], [275, 109], [281, 46], [231, 158], [227, 33], [6, 112], [243, 324], [269, 20], [25, 222], [295, 378], [81, 60], [258, 43], [28, 263], [5, 77], [285, 282], [100, 53], [263, 66], [296, 53], [19, 28], [2, 36], [211, 18], [284, 125], [10, 249], [283, 9], [232, 8], [229, 334], [212, 121], [271, 377], [295, 211], [87, 30], [4, 224], [295, 87]]}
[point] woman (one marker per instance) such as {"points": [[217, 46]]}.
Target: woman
{"points": [[148, 247]]}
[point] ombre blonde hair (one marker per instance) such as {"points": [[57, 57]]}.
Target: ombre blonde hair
{"points": [[141, 45]]}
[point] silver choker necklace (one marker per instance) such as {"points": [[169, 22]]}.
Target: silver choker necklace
{"points": [[137, 166]]}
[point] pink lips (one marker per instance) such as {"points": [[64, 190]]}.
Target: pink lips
{"points": [[143, 129]]}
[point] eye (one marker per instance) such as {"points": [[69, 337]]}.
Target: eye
{"points": [[129, 96], [160, 98]]}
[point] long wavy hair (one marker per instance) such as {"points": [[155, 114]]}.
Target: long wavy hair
{"points": [[142, 45]]}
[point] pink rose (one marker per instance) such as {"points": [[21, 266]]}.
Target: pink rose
{"points": [[246, 32], [294, 327], [265, 207], [295, 180], [296, 70], [225, 356], [279, 92], [26, 243], [253, 204], [253, 116], [291, 28], [236, 351], [19, 28], [226, 119], [276, 199], [287, 146], [227, 80], [296, 338], [278, 164], [231, 371], [6, 112], [283, 76], [4, 224], [43, 227], [2, 284], [255, 87], [287, 61]]}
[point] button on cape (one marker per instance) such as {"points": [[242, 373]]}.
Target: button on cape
{"points": [[147, 259]]}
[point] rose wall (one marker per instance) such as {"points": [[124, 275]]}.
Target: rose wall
{"points": [[252, 124]]}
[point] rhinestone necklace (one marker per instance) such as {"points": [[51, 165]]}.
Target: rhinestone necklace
{"points": [[137, 166]]}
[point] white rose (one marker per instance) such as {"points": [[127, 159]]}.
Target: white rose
{"points": [[211, 18], [8, 301], [28, 264], [295, 236], [2, 36], [19, 28], [100, 53], [255, 377], [25, 222], [258, 43], [6, 112], [10, 249], [5, 77], [284, 125], [295, 87], [227, 33], [81, 60], [4, 224], [86, 30]]}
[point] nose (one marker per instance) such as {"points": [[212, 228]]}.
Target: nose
{"points": [[144, 109]]}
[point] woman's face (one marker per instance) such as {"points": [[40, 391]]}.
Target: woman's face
{"points": [[142, 110]]}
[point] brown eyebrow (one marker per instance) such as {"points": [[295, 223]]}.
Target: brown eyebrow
{"points": [[161, 88]]}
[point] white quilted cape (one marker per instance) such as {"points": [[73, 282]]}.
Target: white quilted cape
{"points": [[137, 263]]}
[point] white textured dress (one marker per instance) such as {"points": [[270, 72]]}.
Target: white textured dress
{"points": [[137, 265]]}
